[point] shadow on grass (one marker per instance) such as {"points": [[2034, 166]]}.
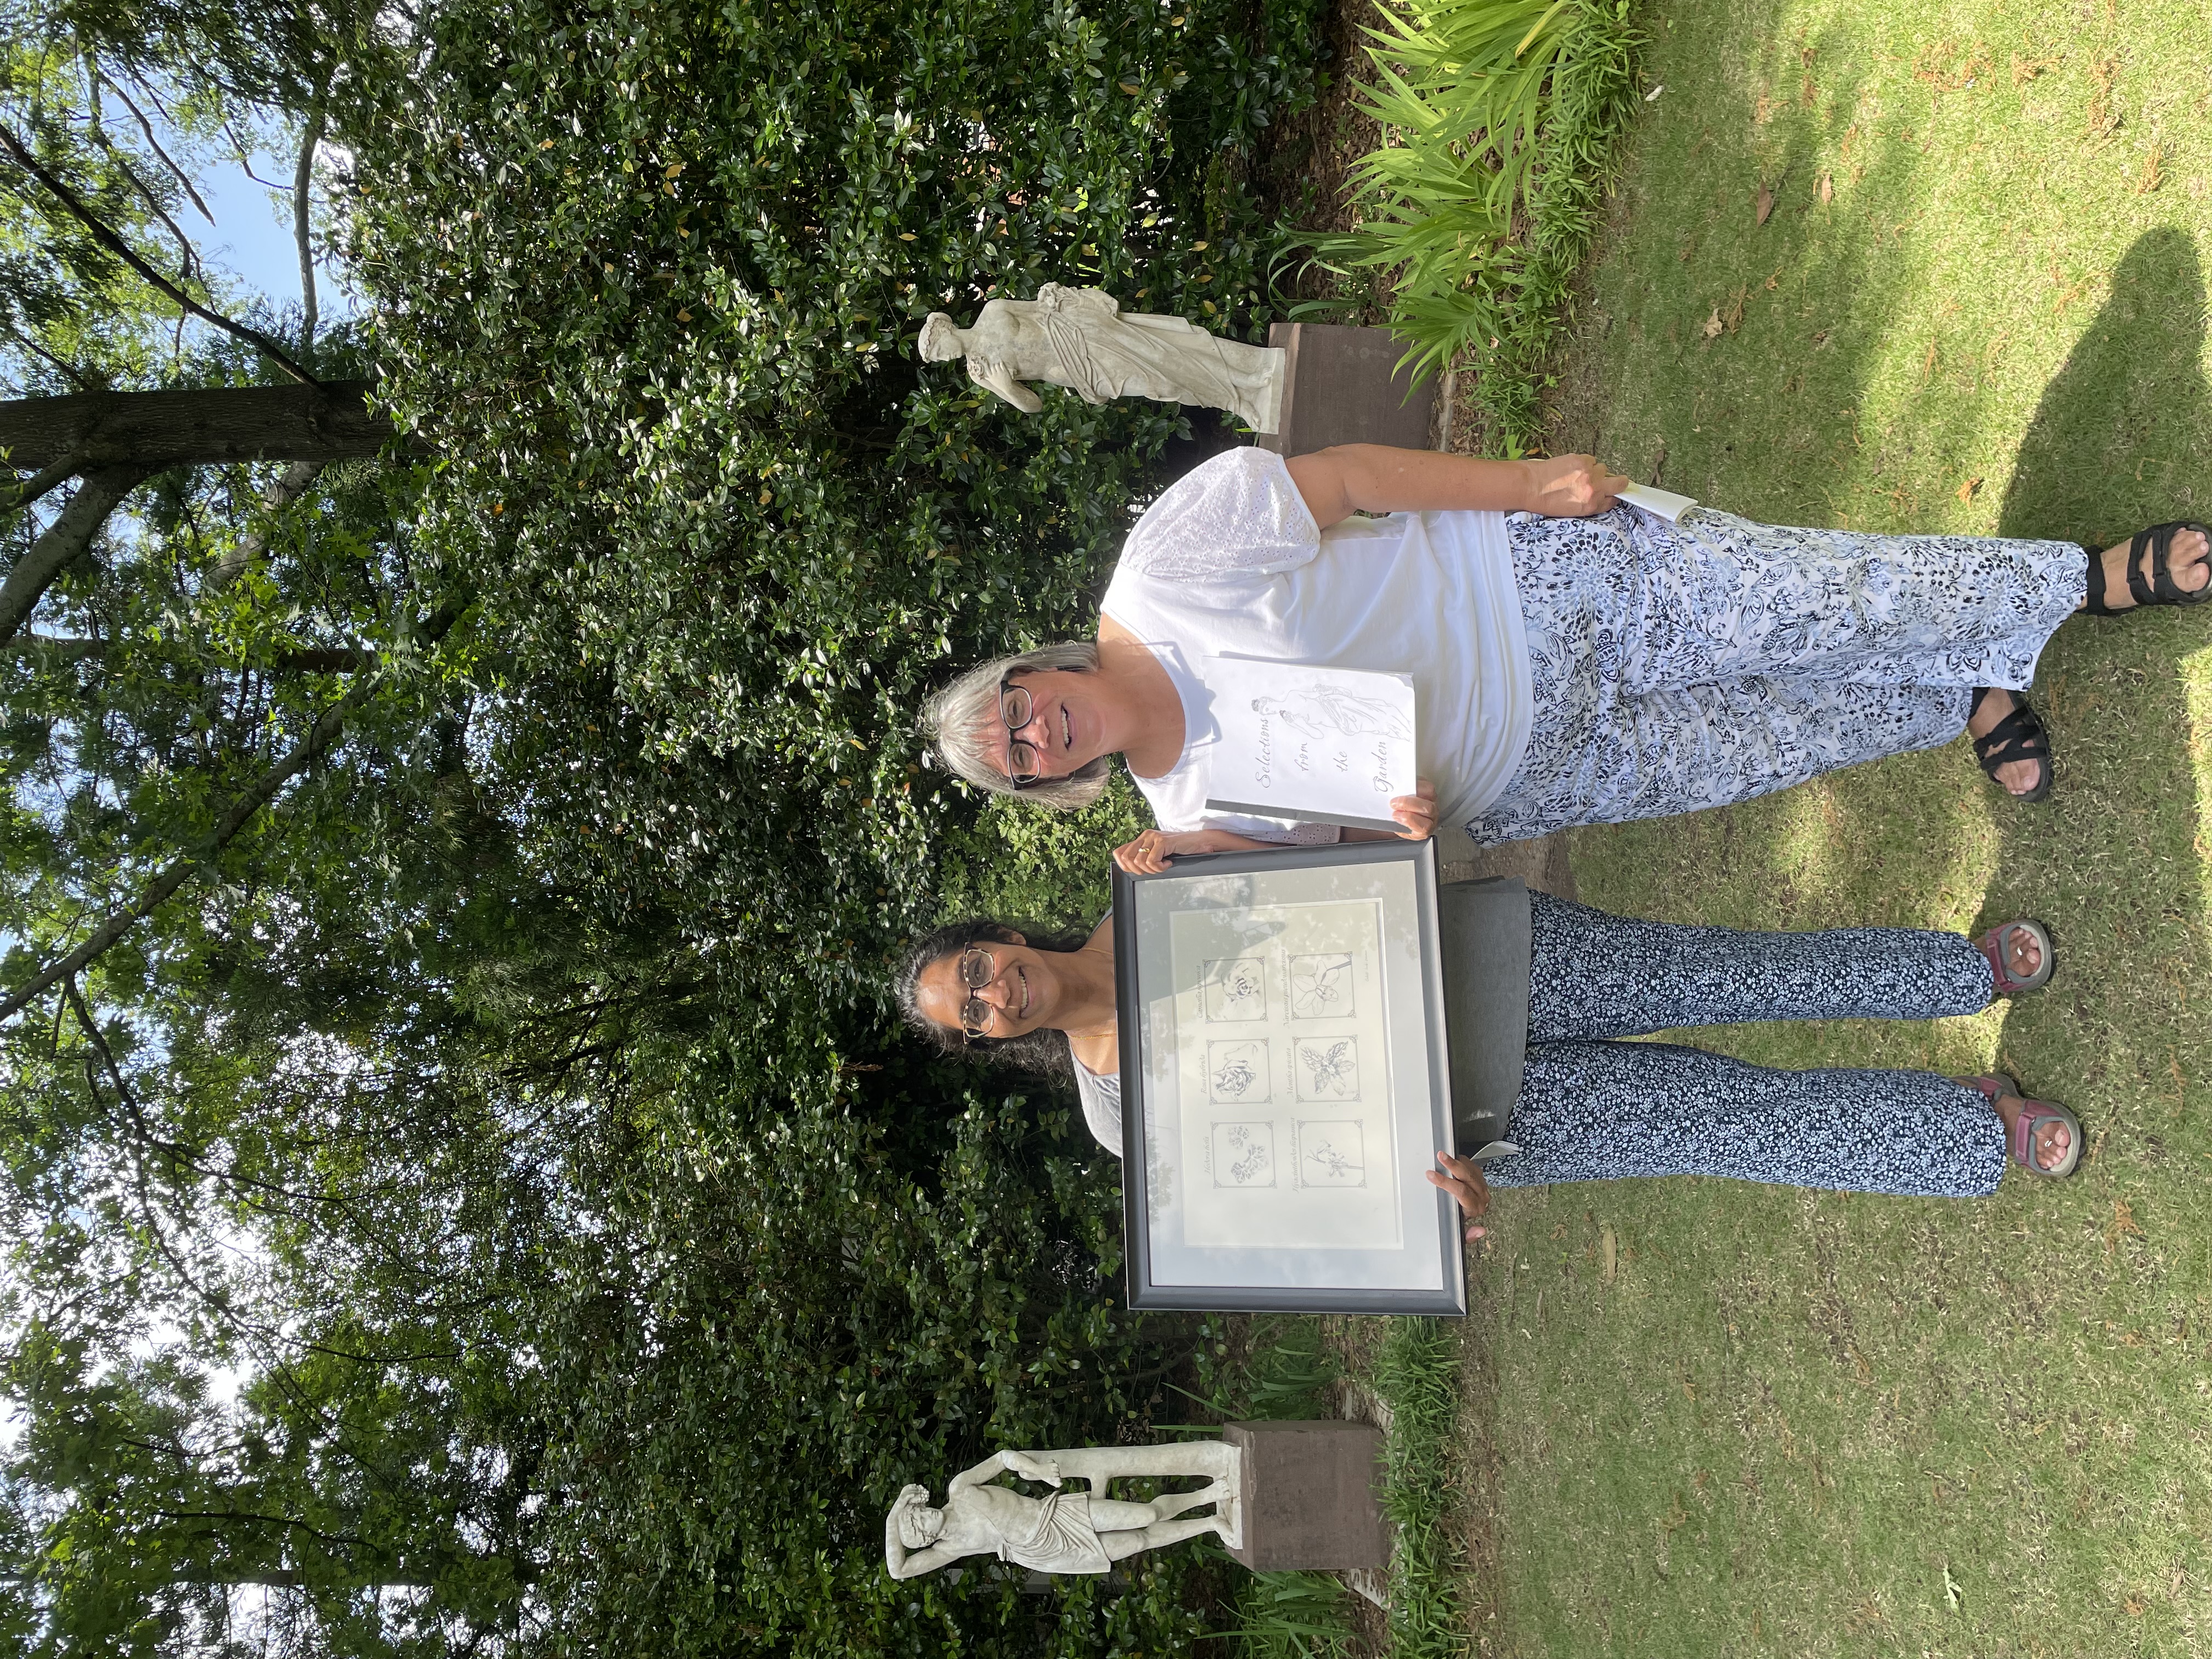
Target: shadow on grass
{"points": [[1738, 352], [2125, 420], [2113, 861]]}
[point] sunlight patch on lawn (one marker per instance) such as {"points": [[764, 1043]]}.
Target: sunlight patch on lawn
{"points": [[2195, 671]]}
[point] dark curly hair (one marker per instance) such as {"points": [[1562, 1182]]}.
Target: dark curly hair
{"points": [[1044, 1050]]}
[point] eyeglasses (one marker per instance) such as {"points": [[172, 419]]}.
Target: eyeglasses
{"points": [[977, 970], [1025, 766]]}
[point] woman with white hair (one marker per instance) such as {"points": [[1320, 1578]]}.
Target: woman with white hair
{"points": [[1575, 660]]}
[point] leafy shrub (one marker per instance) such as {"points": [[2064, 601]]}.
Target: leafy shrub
{"points": [[646, 279], [1503, 113], [768, 1338]]}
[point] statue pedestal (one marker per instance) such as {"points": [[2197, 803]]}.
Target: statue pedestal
{"points": [[1339, 388], [1307, 1494]]}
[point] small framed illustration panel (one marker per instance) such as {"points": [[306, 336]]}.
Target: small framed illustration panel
{"points": [[1285, 1083]]}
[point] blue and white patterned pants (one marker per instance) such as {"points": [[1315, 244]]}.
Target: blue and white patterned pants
{"points": [[1595, 1110], [1678, 666]]}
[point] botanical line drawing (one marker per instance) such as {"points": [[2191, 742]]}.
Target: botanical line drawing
{"points": [[1236, 1071], [1320, 709], [1332, 1153], [1243, 1154], [1321, 986], [1236, 988], [1329, 1069]]}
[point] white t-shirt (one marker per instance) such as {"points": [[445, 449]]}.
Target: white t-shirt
{"points": [[1229, 561]]}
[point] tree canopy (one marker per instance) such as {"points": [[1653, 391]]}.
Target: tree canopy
{"points": [[485, 1204]]}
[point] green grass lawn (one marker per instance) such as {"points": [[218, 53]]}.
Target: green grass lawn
{"points": [[1732, 1419]]}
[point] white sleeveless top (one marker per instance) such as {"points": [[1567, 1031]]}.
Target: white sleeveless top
{"points": [[1101, 1094]]}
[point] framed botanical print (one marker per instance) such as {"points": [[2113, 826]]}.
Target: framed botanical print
{"points": [[1285, 1083]]}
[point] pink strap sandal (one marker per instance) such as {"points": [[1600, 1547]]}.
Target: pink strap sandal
{"points": [[1996, 946], [2032, 1114]]}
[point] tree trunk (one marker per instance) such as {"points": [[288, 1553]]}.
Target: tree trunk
{"points": [[155, 429], [312, 659], [62, 541]]}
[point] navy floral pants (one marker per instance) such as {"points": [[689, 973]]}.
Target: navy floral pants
{"points": [[1594, 1109]]}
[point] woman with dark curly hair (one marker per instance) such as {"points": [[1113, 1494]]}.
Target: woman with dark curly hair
{"points": [[1590, 1108]]}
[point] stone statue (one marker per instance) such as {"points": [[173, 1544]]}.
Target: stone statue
{"points": [[1079, 337], [1070, 1531]]}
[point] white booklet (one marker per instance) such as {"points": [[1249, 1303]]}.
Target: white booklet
{"points": [[1333, 746], [1652, 499]]}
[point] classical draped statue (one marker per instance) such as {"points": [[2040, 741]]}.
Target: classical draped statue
{"points": [[1081, 338], [1071, 1531]]}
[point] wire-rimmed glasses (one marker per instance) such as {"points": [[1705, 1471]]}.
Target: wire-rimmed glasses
{"points": [[977, 970], [1024, 765]]}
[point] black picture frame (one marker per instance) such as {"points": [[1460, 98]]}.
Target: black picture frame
{"points": [[1141, 902]]}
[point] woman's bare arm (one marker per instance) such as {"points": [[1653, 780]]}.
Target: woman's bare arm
{"points": [[1377, 478], [1149, 854]]}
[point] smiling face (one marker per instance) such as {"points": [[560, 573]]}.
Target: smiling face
{"points": [[1025, 993], [1067, 727]]}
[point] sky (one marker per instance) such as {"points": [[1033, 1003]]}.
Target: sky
{"points": [[251, 236]]}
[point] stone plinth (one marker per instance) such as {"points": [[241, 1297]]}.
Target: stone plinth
{"points": [[1340, 387], [1309, 1494]]}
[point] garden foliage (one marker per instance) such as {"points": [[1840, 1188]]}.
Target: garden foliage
{"points": [[650, 277], [512, 1114], [647, 281], [1500, 118]]}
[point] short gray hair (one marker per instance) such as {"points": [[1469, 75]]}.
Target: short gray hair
{"points": [[963, 724]]}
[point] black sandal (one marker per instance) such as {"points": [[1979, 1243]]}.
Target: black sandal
{"points": [[2159, 587], [2018, 737]]}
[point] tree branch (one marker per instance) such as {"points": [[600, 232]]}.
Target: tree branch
{"points": [[75, 1000], [309, 659], [68, 371], [62, 541], [146, 127], [303, 202], [46, 644], [190, 254], [245, 159], [30, 489], [333, 1539], [210, 426], [290, 484], [114, 244], [326, 730]]}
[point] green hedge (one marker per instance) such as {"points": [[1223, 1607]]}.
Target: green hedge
{"points": [[647, 278]]}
